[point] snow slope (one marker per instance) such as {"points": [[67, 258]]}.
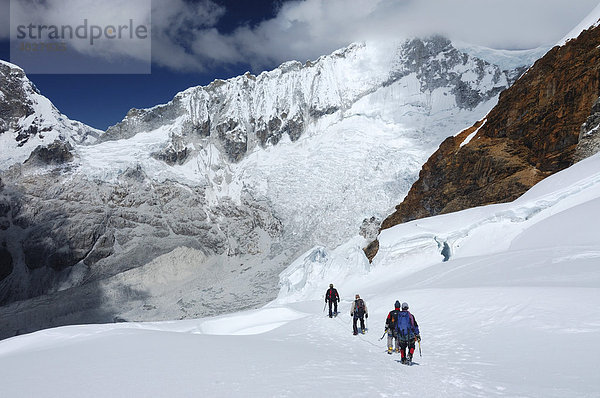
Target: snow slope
{"points": [[514, 311]]}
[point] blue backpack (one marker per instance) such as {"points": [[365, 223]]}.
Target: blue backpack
{"points": [[404, 325]]}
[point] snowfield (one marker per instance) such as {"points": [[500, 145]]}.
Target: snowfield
{"points": [[514, 311]]}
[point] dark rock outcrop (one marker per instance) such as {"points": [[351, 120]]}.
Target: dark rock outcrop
{"points": [[45, 247], [589, 136], [173, 154], [532, 133], [15, 103], [6, 263], [370, 227], [56, 153]]}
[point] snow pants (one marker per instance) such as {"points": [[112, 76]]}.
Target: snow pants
{"points": [[411, 347], [362, 323], [334, 303], [390, 340]]}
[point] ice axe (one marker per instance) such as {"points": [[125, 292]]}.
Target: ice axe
{"points": [[419, 341], [384, 333]]}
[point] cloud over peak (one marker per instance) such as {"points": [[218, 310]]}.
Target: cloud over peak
{"points": [[186, 35]]}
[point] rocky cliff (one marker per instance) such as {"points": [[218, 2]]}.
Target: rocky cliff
{"points": [[531, 133]]}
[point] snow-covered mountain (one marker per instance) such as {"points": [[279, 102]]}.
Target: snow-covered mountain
{"points": [[252, 172], [28, 119], [249, 110], [512, 312]]}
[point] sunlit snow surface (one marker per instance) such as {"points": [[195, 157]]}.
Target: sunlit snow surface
{"points": [[515, 311]]}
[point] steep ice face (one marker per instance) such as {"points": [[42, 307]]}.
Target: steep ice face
{"points": [[28, 119], [242, 113]]}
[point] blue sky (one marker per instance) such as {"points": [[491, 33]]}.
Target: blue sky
{"points": [[196, 41]]}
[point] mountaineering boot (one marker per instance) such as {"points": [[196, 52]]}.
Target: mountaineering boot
{"points": [[389, 351], [363, 331], [410, 356]]}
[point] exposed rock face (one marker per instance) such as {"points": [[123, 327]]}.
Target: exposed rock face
{"points": [[15, 102], [6, 263], [589, 136], [112, 227], [175, 153], [532, 133], [435, 72], [54, 154], [370, 228]]}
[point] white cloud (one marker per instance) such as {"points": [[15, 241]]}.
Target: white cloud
{"points": [[89, 18], [184, 36], [176, 26], [306, 29]]}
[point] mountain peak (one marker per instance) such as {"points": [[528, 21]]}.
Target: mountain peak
{"points": [[245, 112], [28, 119]]}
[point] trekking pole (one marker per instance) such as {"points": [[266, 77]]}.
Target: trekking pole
{"points": [[419, 341], [384, 333], [324, 306]]}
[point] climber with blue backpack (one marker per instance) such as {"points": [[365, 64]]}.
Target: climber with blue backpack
{"points": [[407, 331]]}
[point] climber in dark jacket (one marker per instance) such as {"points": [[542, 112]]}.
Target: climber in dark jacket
{"points": [[390, 328], [333, 298], [359, 311]]}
